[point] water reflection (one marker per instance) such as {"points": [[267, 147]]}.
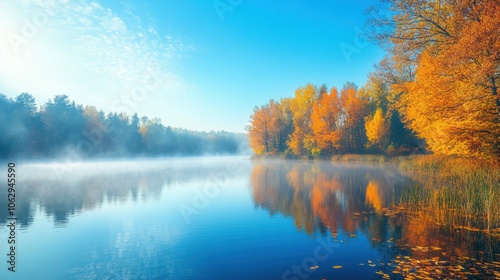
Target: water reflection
{"points": [[324, 197], [319, 194], [61, 190], [355, 204]]}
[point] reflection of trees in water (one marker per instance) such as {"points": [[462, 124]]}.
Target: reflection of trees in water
{"points": [[91, 187], [421, 230], [321, 196]]}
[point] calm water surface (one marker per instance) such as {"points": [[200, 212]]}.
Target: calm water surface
{"points": [[227, 218]]}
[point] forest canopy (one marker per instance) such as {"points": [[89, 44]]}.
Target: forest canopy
{"points": [[61, 128], [437, 88]]}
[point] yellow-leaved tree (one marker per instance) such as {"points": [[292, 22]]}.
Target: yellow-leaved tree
{"points": [[301, 107], [455, 117], [377, 130], [454, 48]]}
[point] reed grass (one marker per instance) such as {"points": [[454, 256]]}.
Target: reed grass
{"points": [[457, 191], [364, 158]]}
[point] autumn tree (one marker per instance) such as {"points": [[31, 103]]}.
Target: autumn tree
{"points": [[382, 91], [377, 130], [259, 130], [301, 107], [455, 117], [325, 122], [353, 112], [281, 124], [454, 45]]}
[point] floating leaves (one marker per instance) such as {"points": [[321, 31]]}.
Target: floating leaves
{"points": [[337, 266], [426, 249], [432, 268], [384, 275]]}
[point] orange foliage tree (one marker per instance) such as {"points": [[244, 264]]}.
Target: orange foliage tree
{"points": [[455, 117], [259, 130], [453, 46], [325, 122], [354, 110], [270, 127]]}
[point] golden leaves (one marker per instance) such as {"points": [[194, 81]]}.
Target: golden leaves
{"points": [[377, 129]]}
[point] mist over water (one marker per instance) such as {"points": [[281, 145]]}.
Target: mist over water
{"points": [[61, 189], [218, 218]]}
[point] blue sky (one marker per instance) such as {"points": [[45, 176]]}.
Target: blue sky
{"points": [[199, 65]]}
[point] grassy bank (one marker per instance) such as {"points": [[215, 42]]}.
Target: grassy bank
{"points": [[460, 192]]}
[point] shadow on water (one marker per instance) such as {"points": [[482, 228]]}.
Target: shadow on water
{"points": [[326, 198]]}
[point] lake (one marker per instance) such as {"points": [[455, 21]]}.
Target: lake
{"points": [[230, 218]]}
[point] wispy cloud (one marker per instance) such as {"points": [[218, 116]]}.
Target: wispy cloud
{"points": [[84, 49]]}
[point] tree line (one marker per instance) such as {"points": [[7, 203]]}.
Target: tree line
{"points": [[62, 128], [437, 87], [322, 122]]}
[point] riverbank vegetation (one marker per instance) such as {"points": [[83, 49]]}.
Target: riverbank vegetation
{"points": [[460, 192]]}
